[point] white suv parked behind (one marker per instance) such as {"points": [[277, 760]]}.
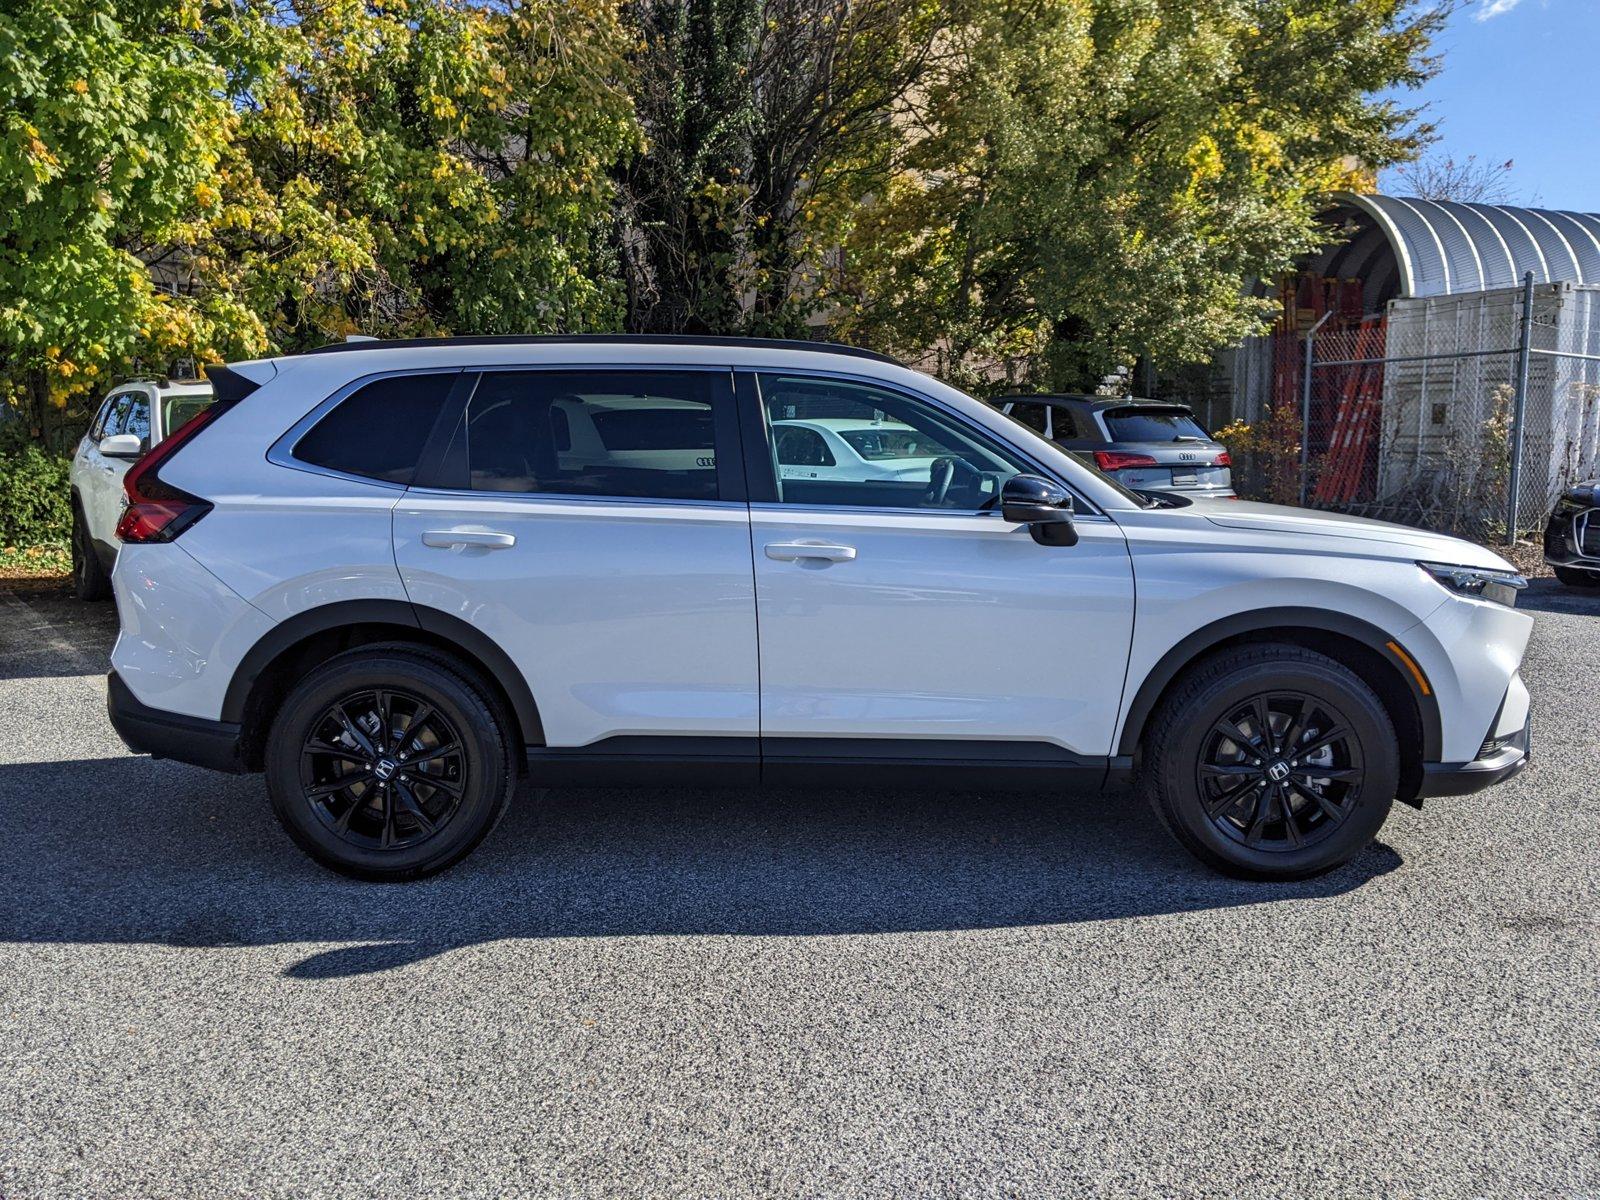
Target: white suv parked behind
{"points": [[401, 574], [131, 419]]}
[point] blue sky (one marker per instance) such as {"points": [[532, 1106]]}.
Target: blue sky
{"points": [[1521, 81]]}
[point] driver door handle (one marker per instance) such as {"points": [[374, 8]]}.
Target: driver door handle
{"points": [[790, 551], [448, 539]]}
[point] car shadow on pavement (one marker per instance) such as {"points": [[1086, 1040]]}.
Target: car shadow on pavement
{"points": [[1551, 595], [135, 851]]}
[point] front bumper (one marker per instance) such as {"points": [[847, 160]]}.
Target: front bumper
{"points": [[1572, 536], [160, 734], [1462, 779]]}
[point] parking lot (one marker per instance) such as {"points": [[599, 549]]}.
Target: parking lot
{"points": [[683, 993]]}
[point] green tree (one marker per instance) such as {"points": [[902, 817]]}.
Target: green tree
{"points": [[762, 118], [1084, 181], [111, 125], [422, 166]]}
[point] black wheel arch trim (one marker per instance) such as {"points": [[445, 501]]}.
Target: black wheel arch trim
{"points": [[345, 613], [1266, 621]]}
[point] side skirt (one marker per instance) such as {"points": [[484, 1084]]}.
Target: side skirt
{"points": [[825, 763]]}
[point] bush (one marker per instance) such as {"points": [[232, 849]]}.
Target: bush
{"points": [[35, 504], [1266, 456]]}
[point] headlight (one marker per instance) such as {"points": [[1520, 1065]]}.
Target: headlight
{"points": [[1485, 583]]}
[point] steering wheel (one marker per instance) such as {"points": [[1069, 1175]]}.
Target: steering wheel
{"points": [[941, 474]]}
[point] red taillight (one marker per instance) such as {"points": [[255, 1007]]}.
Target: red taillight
{"points": [[1115, 460], [157, 511], [1224, 460]]}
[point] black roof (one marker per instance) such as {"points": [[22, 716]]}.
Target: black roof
{"points": [[1087, 401], [605, 339]]}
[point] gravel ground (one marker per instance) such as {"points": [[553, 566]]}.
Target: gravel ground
{"points": [[793, 993]]}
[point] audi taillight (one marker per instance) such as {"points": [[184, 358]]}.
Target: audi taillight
{"points": [[157, 511], [1224, 460], [1116, 460]]}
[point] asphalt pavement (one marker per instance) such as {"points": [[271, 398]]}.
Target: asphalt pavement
{"points": [[797, 994]]}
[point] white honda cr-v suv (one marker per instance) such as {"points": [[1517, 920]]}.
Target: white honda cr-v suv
{"points": [[402, 574]]}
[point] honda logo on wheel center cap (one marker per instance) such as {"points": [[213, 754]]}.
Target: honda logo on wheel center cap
{"points": [[1278, 772], [384, 768]]}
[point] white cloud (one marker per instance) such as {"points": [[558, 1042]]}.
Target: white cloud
{"points": [[1488, 9]]}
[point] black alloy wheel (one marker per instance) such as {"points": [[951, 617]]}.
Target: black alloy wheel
{"points": [[1280, 771], [1271, 761], [391, 761], [383, 769]]}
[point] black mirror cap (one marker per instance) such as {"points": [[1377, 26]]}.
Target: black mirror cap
{"points": [[1035, 490], [1043, 505]]}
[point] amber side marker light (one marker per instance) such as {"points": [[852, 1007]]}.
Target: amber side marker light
{"points": [[1416, 671]]}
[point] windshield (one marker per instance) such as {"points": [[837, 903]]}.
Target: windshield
{"points": [[1152, 425], [877, 444]]}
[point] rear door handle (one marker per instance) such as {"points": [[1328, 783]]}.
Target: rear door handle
{"points": [[789, 551], [449, 539]]}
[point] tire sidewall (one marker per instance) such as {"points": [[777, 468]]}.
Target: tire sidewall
{"points": [[1369, 724], [485, 756], [89, 578], [1580, 577]]}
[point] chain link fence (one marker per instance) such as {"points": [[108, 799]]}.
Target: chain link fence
{"points": [[1464, 413]]}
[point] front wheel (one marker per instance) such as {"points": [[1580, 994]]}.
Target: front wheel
{"points": [[389, 762], [1578, 577], [1272, 762]]}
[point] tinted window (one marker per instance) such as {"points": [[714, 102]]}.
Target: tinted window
{"points": [[1031, 415], [1151, 424], [379, 430], [644, 434], [905, 452], [1063, 424]]}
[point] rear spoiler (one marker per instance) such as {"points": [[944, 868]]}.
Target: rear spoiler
{"points": [[230, 385]]}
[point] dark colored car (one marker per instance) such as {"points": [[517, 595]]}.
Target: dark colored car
{"points": [[1145, 445], [1572, 536]]}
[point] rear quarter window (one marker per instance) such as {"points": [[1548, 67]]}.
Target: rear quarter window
{"points": [[379, 430]]}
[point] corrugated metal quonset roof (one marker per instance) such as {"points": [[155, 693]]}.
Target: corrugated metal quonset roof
{"points": [[1442, 246]]}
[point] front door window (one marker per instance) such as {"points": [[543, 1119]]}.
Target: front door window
{"points": [[887, 449]]}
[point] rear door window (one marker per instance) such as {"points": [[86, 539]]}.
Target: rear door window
{"points": [[1152, 425], [633, 434], [379, 430]]}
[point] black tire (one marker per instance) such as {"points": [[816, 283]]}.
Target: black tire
{"points": [[1221, 796], [438, 803], [1578, 577], [90, 580]]}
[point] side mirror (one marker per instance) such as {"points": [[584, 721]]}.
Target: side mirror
{"points": [[122, 445], [1044, 507]]}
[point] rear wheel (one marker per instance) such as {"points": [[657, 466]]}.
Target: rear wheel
{"points": [[389, 762], [1272, 762], [1578, 577], [90, 579]]}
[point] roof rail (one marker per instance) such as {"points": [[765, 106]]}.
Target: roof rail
{"points": [[603, 339]]}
